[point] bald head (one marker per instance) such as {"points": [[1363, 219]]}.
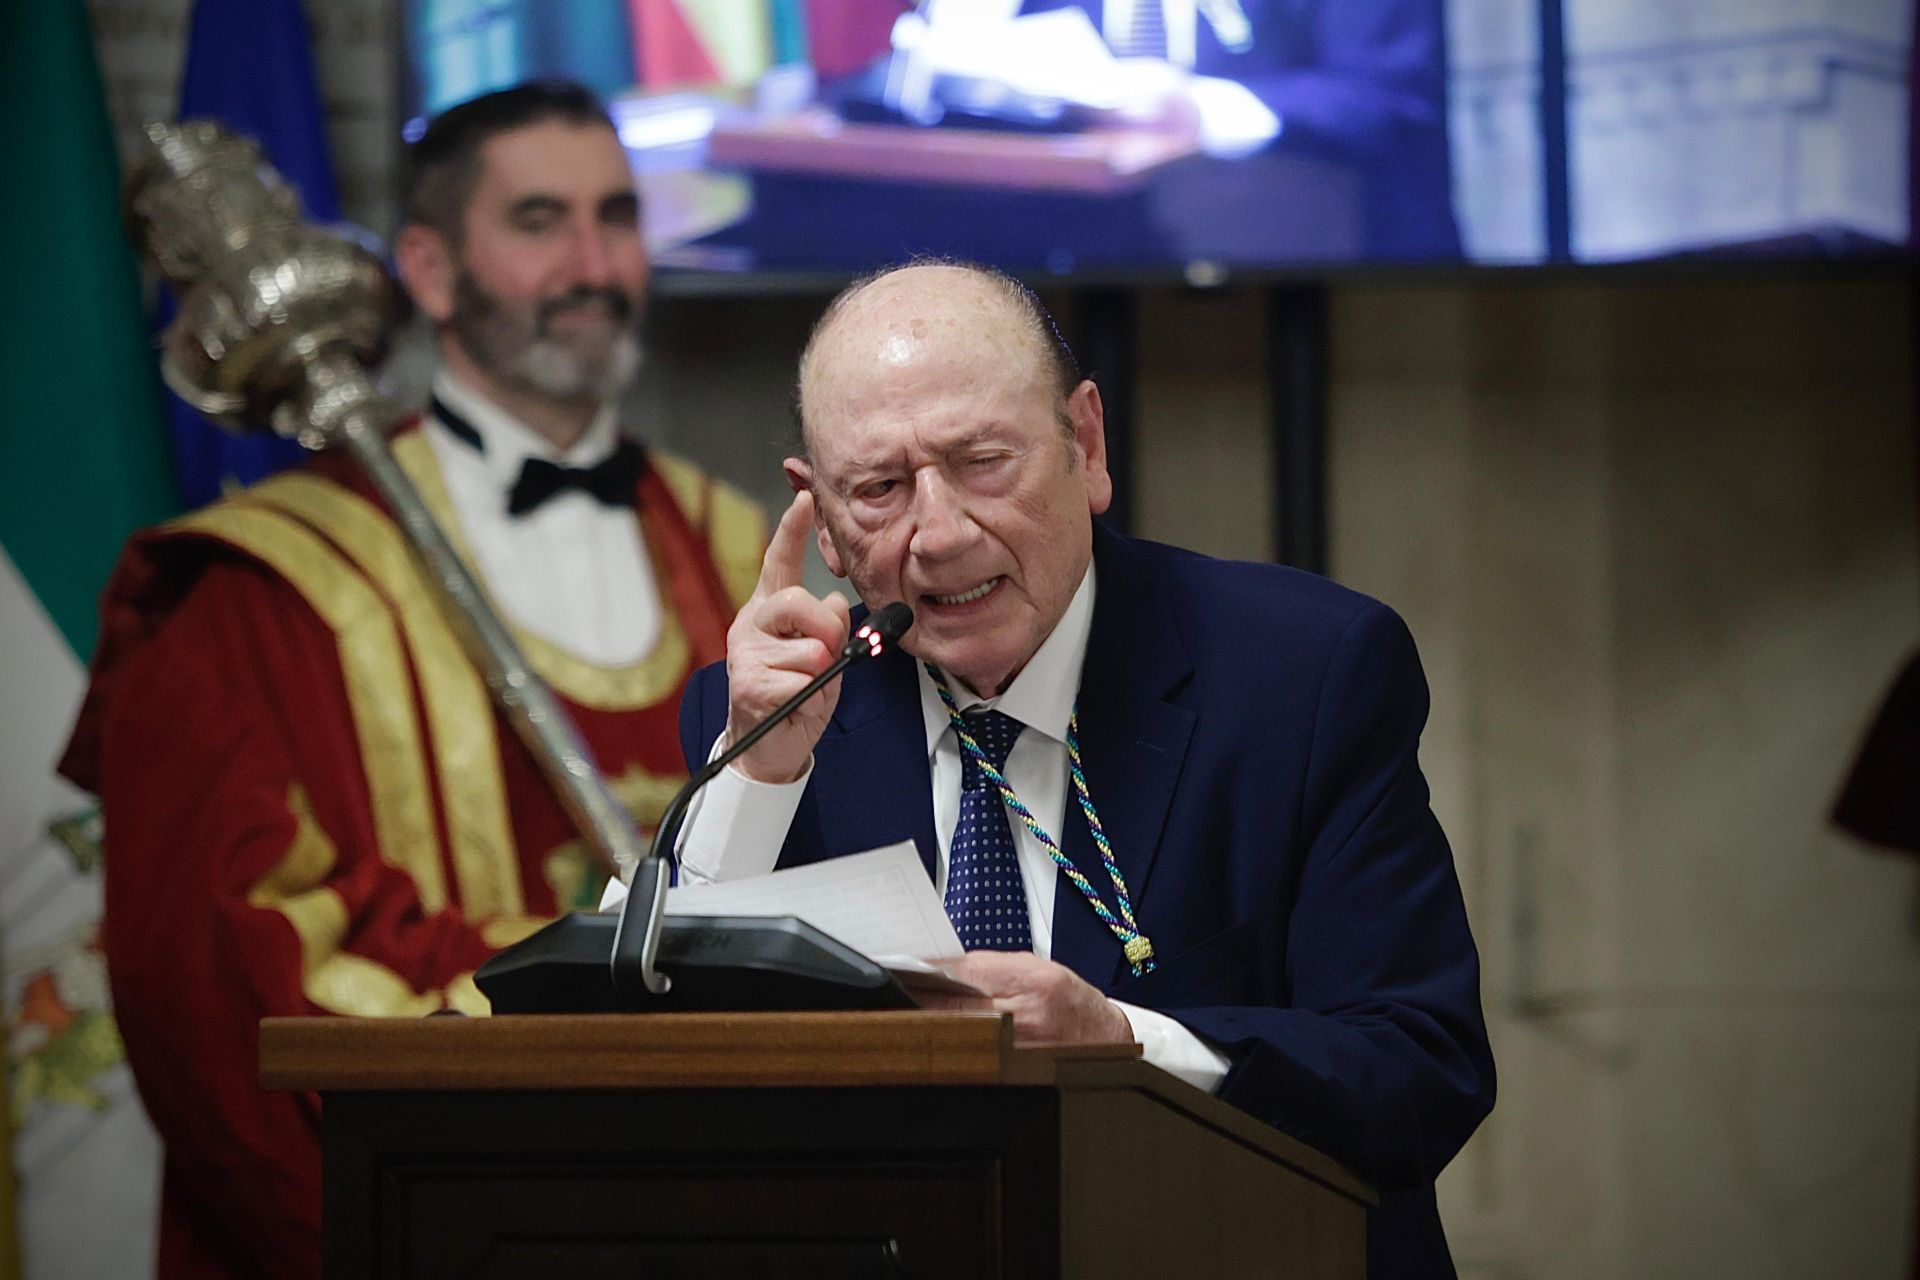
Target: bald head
{"points": [[928, 310]]}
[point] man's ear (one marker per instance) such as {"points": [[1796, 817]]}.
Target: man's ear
{"points": [[427, 268], [1089, 419], [800, 477]]}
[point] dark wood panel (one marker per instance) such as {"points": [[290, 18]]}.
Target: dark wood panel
{"points": [[957, 1182], [919, 1144], [1228, 1203], [1202, 1119]]}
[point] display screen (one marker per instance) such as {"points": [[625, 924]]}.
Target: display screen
{"points": [[1207, 136]]}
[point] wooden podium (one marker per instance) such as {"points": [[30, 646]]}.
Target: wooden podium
{"points": [[683, 1146]]}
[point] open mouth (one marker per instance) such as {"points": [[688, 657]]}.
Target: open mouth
{"points": [[970, 595]]}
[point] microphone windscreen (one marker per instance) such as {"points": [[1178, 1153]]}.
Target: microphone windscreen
{"points": [[890, 622]]}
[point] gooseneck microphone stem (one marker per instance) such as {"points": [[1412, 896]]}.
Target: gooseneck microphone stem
{"points": [[636, 940], [667, 835]]}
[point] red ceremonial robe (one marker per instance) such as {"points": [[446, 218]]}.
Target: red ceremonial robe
{"points": [[312, 806]]}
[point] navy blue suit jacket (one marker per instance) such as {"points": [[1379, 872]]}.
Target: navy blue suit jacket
{"points": [[1249, 734]]}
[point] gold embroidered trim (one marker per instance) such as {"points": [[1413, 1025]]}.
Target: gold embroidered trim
{"points": [[507, 930], [645, 794], [738, 535], [628, 688], [460, 723], [734, 525], [574, 872], [362, 988], [296, 888], [686, 482], [574, 876], [335, 980], [463, 995], [379, 691]]}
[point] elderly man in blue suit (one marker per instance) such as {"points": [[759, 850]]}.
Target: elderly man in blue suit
{"points": [[1166, 798]]}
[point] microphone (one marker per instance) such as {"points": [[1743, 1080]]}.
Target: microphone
{"points": [[636, 940]]}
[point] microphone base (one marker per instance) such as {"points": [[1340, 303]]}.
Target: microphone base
{"points": [[718, 964]]}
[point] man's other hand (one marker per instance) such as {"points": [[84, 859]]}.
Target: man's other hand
{"points": [[1049, 1002]]}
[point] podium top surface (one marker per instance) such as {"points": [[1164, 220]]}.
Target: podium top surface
{"points": [[658, 1050]]}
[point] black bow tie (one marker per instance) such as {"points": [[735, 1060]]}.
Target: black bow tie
{"points": [[612, 480]]}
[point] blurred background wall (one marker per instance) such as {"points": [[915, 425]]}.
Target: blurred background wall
{"points": [[1656, 534]]}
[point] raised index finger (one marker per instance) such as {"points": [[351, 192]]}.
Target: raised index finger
{"points": [[786, 561]]}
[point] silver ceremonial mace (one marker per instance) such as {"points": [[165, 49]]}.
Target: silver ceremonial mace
{"points": [[277, 323]]}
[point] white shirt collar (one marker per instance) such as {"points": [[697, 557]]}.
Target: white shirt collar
{"points": [[1041, 697], [510, 442]]}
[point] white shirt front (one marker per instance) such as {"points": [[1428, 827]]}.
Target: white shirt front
{"points": [[736, 826], [573, 571]]}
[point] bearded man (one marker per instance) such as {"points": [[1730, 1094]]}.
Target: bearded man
{"points": [[312, 805]]}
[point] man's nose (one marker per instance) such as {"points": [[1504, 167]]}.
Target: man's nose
{"points": [[941, 526], [593, 257]]}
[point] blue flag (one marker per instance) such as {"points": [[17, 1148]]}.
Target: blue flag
{"points": [[250, 66]]}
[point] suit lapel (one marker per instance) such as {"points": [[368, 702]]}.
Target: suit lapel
{"points": [[873, 784], [1133, 742]]}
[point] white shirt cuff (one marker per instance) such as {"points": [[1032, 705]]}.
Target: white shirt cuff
{"points": [[734, 829], [1168, 1045], [739, 826]]}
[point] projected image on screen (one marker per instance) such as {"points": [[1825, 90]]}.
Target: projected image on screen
{"points": [[1200, 135]]}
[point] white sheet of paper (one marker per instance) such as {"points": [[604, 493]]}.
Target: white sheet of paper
{"points": [[880, 903]]}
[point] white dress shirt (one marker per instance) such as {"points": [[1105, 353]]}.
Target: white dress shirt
{"points": [[737, 825], [573, 571]]}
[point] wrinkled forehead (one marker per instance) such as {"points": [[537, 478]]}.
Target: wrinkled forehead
{"points": [[900, 354]]}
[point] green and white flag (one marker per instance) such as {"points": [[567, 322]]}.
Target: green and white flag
{"points": [[82, 464]]}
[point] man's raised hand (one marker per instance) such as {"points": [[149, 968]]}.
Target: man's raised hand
{"points": [[782, 638]]}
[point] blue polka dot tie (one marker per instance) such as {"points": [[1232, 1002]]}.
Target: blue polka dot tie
{"points": [[986, 899]]}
